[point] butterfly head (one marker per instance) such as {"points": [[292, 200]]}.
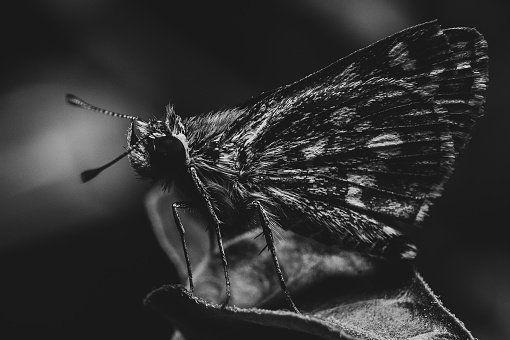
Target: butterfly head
{"points": [[160, 151]]}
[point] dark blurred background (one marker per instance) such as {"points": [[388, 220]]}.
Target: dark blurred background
{"points": [[76, 259]]}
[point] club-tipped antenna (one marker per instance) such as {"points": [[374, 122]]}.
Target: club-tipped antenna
{"points": [[73, 100], [90, 174]]}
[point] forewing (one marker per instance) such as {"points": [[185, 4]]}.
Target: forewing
{"points": [[375, 133]]}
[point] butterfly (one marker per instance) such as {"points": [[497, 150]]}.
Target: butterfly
{"points": [[342, 156]]}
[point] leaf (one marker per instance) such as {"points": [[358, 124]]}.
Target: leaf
{"points": [[341, 295]]}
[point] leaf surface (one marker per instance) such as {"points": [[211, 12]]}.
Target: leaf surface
{"points": [[341, 295]]}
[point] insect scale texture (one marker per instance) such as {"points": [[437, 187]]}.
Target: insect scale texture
{"points": [[342, 156]]}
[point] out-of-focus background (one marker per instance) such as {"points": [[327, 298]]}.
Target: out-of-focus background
{"points": [[77, 259]]}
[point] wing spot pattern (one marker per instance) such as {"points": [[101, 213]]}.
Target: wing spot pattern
{"points": [[311, 151], [384, 140], [355, 192], [399, 55]]}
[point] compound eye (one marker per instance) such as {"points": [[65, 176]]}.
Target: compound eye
{"points": [[167, 156], [168, 146]]}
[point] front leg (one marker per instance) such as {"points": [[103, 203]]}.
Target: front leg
{"points": [[180, 227], [216, 222]]}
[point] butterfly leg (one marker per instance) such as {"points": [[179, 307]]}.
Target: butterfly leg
{"points": [[180, 227], [216, 223], [268, 234]]}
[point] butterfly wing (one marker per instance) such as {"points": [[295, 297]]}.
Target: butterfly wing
{"points": [[370, 139]]}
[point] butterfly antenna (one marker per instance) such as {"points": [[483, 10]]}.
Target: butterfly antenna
{"points": [[73, 100], [90, 174]]}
